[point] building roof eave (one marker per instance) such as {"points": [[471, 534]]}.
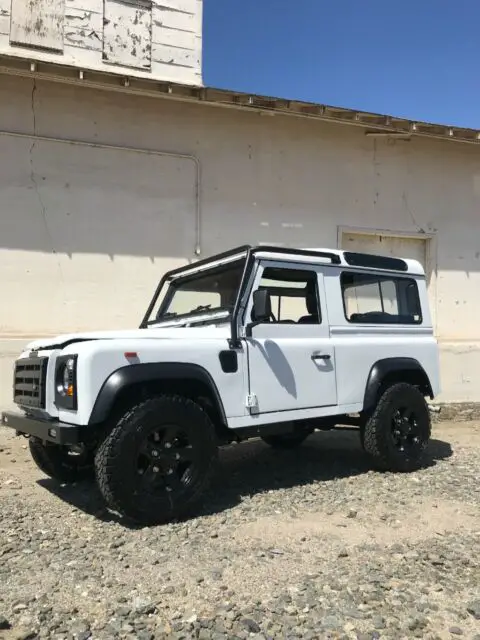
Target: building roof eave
{"points": [[374, 124]]}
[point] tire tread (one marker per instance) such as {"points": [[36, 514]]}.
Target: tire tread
{"points": [[109, 453], [374, 434], [50, 461]]}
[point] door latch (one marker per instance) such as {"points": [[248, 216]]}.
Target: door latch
{"points": [[317, 355]]}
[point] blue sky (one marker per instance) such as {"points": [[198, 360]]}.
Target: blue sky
{"points": [[418, 59]]}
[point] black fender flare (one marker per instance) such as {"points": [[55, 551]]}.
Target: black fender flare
{"points": [[152, 371], [382, 368]]}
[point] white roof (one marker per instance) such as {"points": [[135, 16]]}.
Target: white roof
{"points": [[414, 267]]}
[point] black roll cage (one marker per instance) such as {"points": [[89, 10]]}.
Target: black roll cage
{"points": [[250, 252], [364, 260]]}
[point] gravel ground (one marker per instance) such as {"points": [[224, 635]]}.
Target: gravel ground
{"points": [[303, 544]]}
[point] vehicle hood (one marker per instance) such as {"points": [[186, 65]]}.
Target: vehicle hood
{"points": [[166, 333]]}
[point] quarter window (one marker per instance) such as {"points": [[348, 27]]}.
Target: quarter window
{"points": [[377, 299]]}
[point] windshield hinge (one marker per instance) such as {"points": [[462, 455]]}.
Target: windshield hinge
{"points": [[251, 401]]}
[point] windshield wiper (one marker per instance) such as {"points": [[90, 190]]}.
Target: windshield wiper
{"points": [[164, 316], [201, 307], [187, 317]]}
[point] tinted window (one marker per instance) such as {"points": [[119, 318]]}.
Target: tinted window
{"points": [[377, 299]]}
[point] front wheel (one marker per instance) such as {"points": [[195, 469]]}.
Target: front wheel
{"points": [[397, 433], [61, 463], [158, 460]]}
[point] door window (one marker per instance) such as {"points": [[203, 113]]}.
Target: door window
{"points": [[294, 295]]}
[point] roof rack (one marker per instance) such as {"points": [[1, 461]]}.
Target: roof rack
{"points": [[334, 257], [205, 261]]}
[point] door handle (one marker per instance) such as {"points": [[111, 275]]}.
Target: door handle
{"points": [[316, 355]]}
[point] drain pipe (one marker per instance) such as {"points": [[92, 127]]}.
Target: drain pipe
{"points": [[166, 154]]}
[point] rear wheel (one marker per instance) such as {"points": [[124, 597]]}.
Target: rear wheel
{"points": [[62, 463], [397, 433], [158, 460]]}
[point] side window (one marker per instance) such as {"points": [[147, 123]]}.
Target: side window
{"points": [[378, 299], [294, 295]]}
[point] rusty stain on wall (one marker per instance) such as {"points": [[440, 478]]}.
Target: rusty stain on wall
{"points": [[38, 23], [127, 34]]}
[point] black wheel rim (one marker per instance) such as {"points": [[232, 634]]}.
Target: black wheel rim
{"points": [[407, 433], [166, 462]]}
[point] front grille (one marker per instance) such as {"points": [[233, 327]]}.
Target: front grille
{"points": [[29, 382]]}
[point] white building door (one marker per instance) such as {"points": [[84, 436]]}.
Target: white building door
{"points": [[410, 247], [396, 246]]}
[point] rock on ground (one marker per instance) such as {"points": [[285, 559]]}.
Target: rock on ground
{"points": [[303, 544]]}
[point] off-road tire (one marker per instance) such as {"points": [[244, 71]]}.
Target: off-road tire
{"points": [[116, 460], [286, 440], [377, 431], [56, 462]]}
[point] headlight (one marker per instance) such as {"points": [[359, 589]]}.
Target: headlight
{"points": [[66, 382]]}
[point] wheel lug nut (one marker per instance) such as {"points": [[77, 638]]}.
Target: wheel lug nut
{"points": [[156, 469], [168, 445], [169, 472], [155, 453]]}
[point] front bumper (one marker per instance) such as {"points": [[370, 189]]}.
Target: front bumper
{"points": [[47, 430]]}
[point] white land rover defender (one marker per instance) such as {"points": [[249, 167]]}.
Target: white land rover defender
{"points": [[259, 341]]}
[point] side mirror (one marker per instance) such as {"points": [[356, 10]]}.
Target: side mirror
{"points": [[262, 306]]}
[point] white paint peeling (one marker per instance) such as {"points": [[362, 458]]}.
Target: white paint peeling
{"points": [[4, 24], [155, 39], [127, 35], [182, 6], [176, 56], [84, 38], [174, 20], [96, 6], [174, 38], [38, 23], [83, 19]]}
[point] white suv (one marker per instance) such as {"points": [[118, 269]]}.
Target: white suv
{"points": [[258, 341]]}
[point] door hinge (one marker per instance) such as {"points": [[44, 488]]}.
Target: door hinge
{"points": [[252, 401]]}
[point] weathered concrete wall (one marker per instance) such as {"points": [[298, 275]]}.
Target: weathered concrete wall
{"points": [[86, 231], [138, 38]]}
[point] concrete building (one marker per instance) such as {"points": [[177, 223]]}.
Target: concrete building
{"points": [[117, 166]]}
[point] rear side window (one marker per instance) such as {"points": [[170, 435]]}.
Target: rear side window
{"points": [[378, 299]]}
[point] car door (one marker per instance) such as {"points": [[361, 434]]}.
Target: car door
{"points": [[291, 359]]}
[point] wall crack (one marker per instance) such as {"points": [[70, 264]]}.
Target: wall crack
{"points": [[33, 179]]}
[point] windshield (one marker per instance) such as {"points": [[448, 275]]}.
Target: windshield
{"points": [[211, 290]]}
